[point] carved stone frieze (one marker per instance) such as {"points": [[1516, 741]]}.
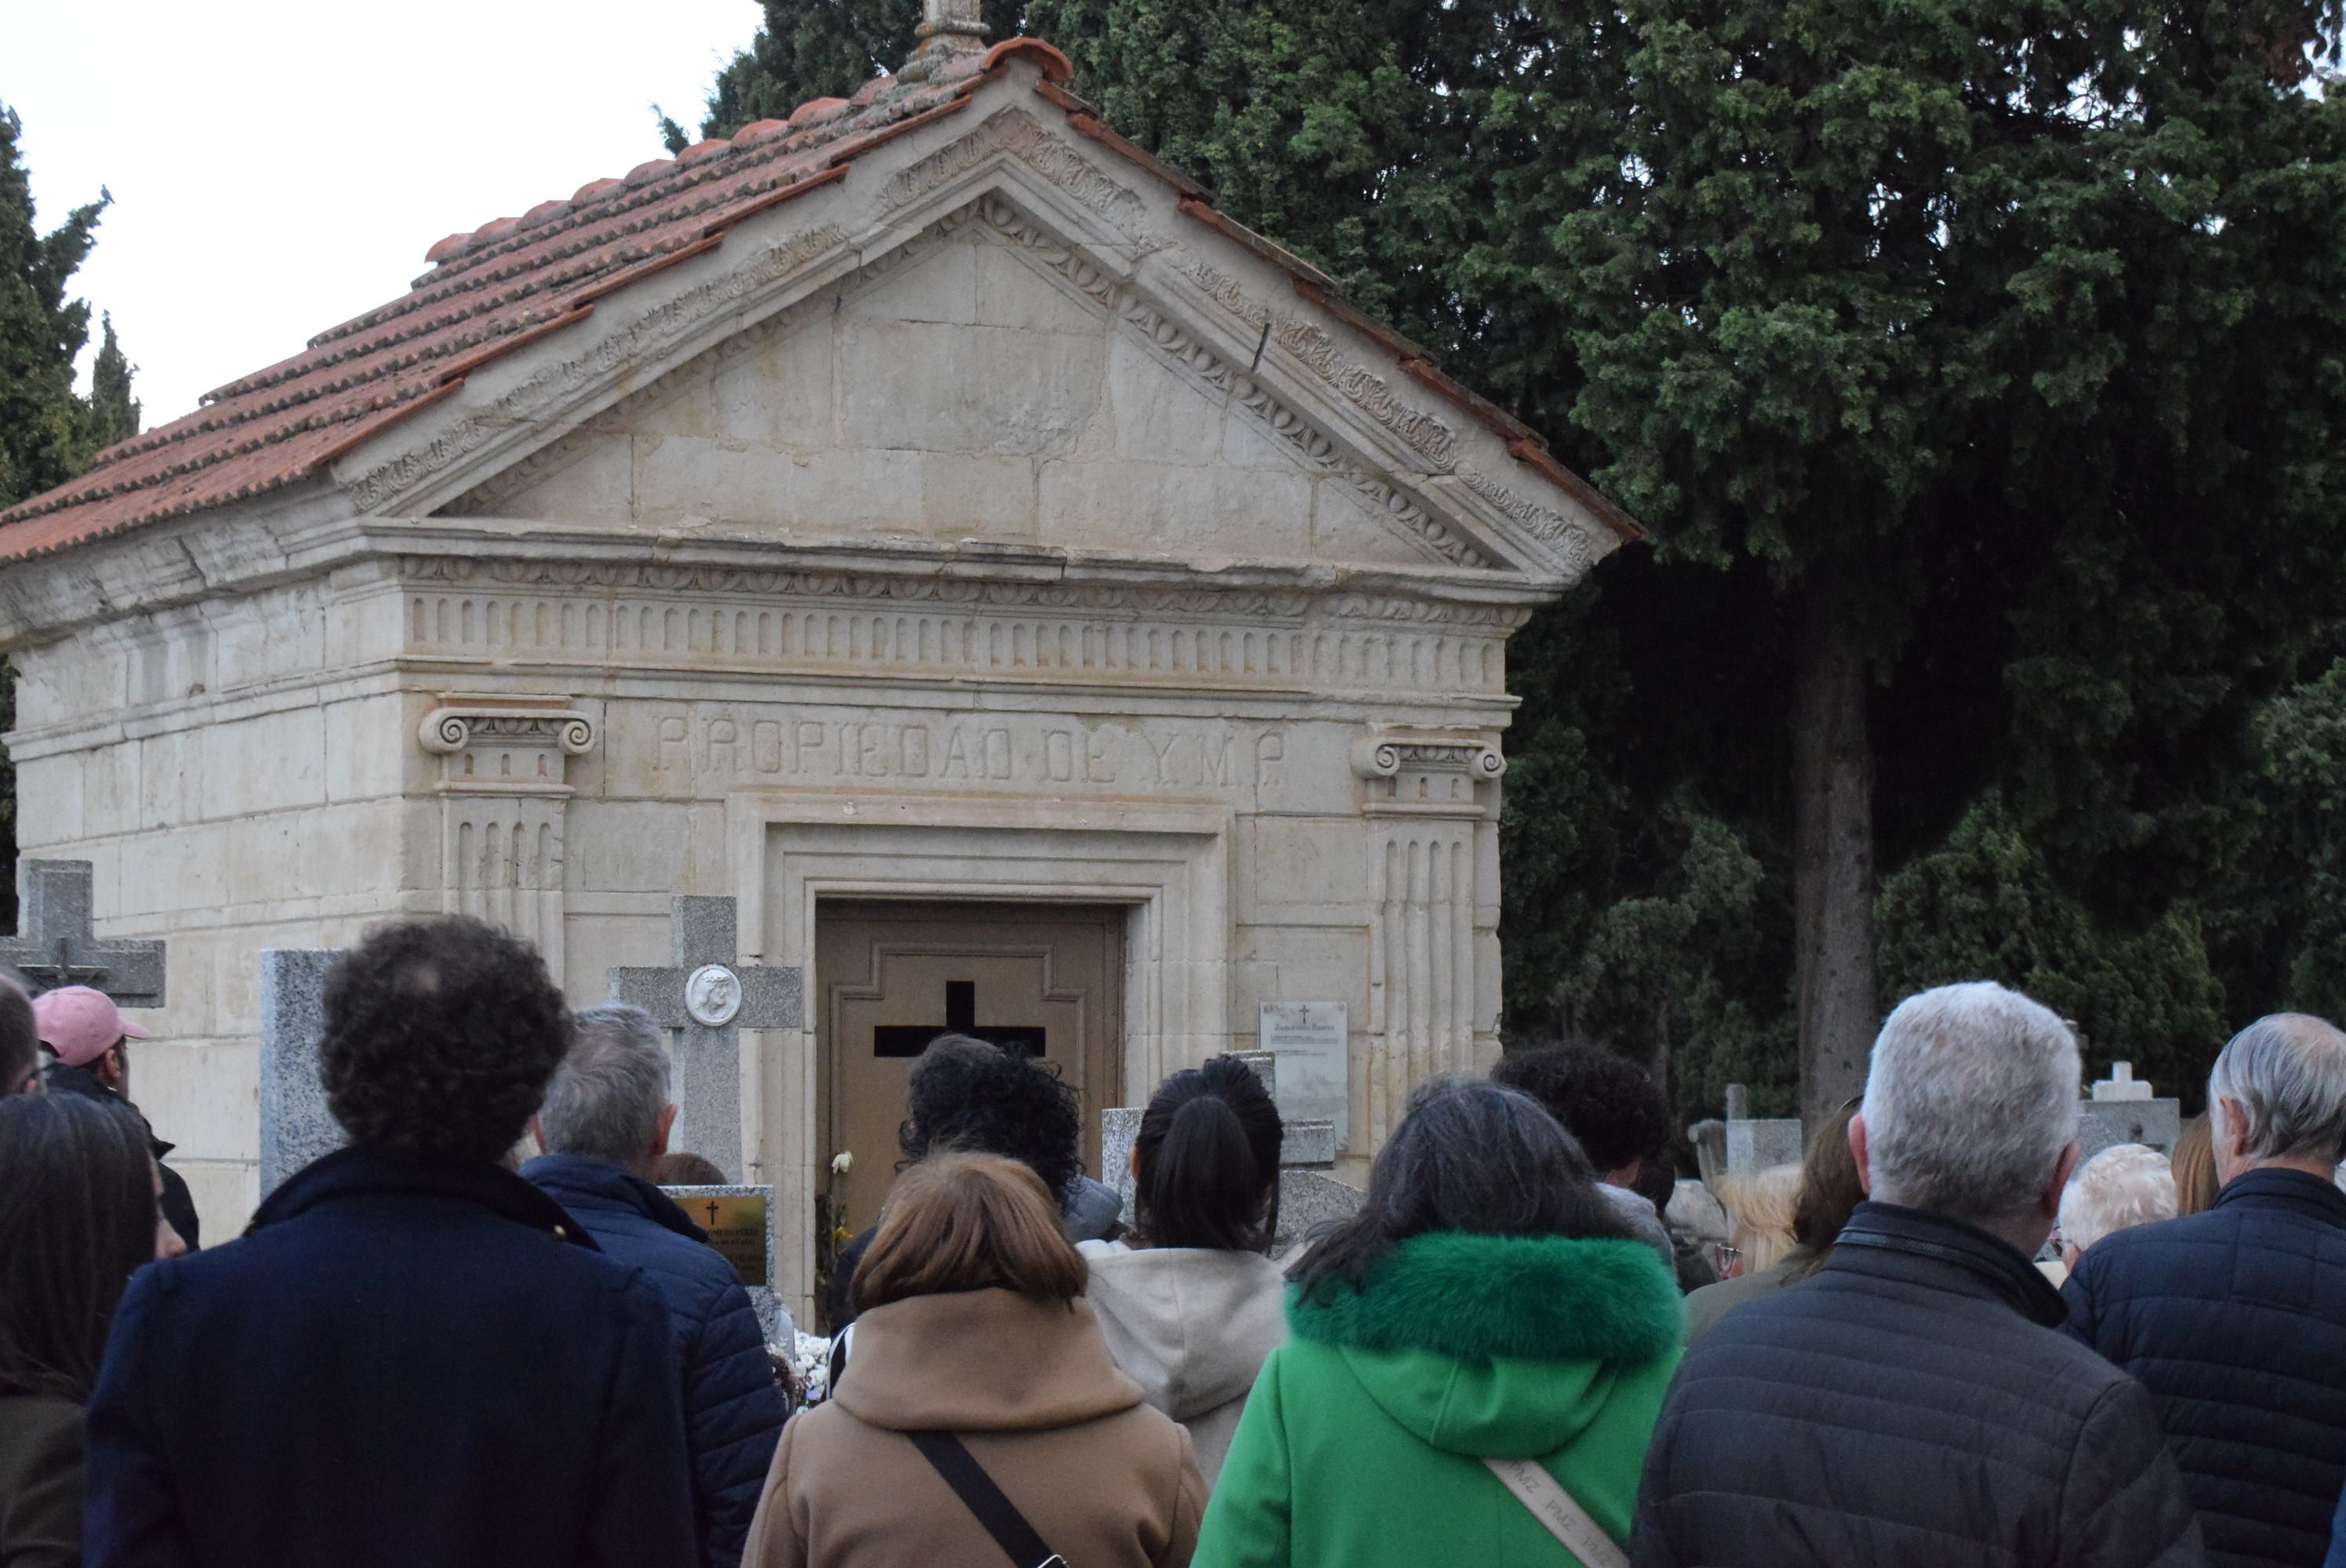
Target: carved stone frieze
{"points": [[1018, 134], [768, 583], [1424, 433], [1574, 541]]}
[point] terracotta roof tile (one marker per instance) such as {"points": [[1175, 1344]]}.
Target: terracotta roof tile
{"points": [[514, 279]]}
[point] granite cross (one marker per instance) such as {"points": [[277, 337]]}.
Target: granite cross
{"points": [[709, 996], [53, 945]]}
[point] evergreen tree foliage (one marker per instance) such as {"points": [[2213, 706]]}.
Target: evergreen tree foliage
{"points": [[822, 49], [44, 427], [1981, 368], [47, 432], [2303, 734], [110, 413]]}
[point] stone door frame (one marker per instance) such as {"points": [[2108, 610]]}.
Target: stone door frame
{"points": [[1168, 863]]}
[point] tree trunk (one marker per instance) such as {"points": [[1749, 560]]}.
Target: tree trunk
{"points": [[1832, 856]]}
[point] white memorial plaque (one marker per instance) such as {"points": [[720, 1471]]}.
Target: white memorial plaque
{"points": [[712, 995], [1309, 1039]]}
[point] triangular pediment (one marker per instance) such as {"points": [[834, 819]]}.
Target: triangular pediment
{"points": [[982, 383], [1003, 343]]}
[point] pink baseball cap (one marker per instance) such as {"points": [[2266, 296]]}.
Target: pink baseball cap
{"points": [[79, 1024]]}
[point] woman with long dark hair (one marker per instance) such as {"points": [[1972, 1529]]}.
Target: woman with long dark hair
{"points": [[79, 1211], [1190, 1312], [1476, 1360]]}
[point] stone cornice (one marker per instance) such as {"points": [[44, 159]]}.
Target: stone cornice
{"points": [[163, 568]]}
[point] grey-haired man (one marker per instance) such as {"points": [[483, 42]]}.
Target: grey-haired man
{"points": [[605, 1125], [2235, 1319], [1911, 1402]]}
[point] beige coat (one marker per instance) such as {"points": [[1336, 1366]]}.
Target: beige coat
{"points": [[1027, 1386], [1191, 1327]]}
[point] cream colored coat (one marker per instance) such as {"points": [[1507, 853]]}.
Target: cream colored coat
{"points": [[1027, 1386], [1190, 1326]]}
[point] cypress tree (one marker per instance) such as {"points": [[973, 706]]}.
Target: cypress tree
{"points": [[47, 433]]}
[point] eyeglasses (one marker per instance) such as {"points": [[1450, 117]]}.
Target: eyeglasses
{"points": [[1726, 1259]]}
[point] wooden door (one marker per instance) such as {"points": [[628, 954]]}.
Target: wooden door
{"points": [[1045, 981]]}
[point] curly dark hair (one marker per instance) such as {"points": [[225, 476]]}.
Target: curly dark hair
{"points": [[1605, 1101], [967, 1094], [440, 1036]]}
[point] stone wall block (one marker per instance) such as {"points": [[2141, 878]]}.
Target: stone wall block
{"points": [[634, 846], [265, 763], [934, 388], [49, 799], [200, 1096], [370, 751], [781, 397], [938, 285], [597, 484], [679, 478], [171, 778], [1159, 417], [264, 862], [842, 490], [963, 494], [1013, 293]]}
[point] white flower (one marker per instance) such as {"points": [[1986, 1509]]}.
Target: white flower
{"points": [[843, 1162]]}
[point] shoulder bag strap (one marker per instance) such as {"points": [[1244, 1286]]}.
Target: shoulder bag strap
{"points": [[978, 1491], [1561, 1511]]}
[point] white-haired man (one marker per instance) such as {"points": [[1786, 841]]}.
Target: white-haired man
{"points": [[2124, 1186], [1911, 1402], [2236, 1318], [605, 1125]]}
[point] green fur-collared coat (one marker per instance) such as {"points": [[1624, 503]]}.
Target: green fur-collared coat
{"points": [[1364, 1440]]}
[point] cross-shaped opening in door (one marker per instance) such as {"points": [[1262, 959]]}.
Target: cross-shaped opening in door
{"points": [[1024, 1039]]}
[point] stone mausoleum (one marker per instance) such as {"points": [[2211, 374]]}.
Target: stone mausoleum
{"points": [[1038, 601]]}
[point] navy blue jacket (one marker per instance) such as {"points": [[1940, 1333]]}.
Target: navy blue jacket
{"points": [[1908, 1404], [733, 1412], [2236, 1321], [403, 1361]]}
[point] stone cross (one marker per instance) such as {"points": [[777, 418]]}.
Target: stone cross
{"points": [[708, 996], [2125, 1109], [53, 945], [295, 1126]]}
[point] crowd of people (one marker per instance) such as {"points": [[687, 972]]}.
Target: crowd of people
{"points": [[1937, 1338]]}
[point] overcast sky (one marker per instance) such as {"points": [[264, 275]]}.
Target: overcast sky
{"points": [[280, 166]]}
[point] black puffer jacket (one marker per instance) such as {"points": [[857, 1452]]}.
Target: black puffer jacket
{"points": [[1908, 1406], [2235, 1319], [177, 1204]]}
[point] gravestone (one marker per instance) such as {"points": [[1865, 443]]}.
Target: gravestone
{"points": [[2125, 1109], [53, 945], [295, 1126], [740, 1221], [1756, 1143], [708, 996], [1312, 1042]]}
